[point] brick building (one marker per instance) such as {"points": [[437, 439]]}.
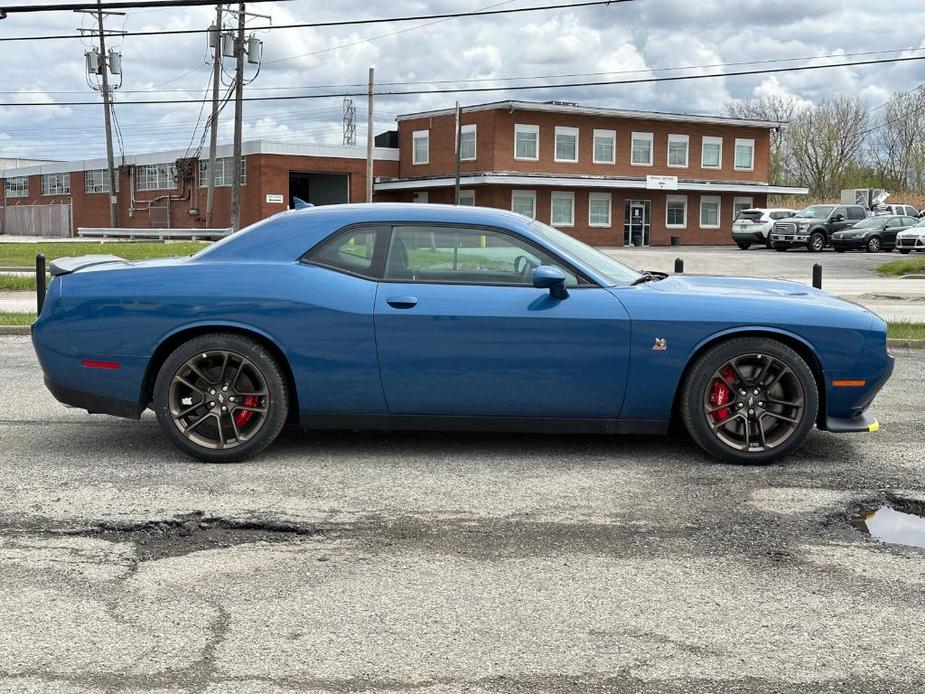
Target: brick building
{"points": [[168, 189], [607, 176]]}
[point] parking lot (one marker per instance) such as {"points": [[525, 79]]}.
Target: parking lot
{"points": [[445, 563]]}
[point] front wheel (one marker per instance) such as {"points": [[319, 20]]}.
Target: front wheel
{"points": [[816, 242], [749, 401], [221, 398], [744, 245], [873, 244], [780, 249], [903, 251]]}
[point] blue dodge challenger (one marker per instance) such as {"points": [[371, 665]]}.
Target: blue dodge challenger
{"points": [[399, 316]]}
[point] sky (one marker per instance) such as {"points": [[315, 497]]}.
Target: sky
{"points": [[629, 40]]}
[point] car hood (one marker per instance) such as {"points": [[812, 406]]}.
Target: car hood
{"points": [[912, 233], [802, 220]]}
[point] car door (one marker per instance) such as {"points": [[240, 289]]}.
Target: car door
{"points": [[461, 330], [843, 222]]}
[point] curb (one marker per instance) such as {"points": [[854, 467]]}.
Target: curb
{"points": [[23, 270], [27, 330]]}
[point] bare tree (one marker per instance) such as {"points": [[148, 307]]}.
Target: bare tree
{"points": [[896, 148], [769, 108]]}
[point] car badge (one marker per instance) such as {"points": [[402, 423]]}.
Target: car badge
{"points": [[660, 345]]}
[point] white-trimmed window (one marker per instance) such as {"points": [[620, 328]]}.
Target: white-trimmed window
{"points": [[676, 211], [97, 181], [155, 177], [566, 144], [711, 152], [467, 150], [420, 196], [745, 154], [739, 204], [605, 147], [420, 147], [17, 187], [709, 211], [562, 209], [526, 142], [641, 154], [224, 173], [467, 197], [524, 202], [56, 184], [599, 209], [678, 146]]}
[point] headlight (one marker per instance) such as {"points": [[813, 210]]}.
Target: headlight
{"points": [[803, 227]]}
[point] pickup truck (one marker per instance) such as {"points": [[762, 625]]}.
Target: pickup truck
{"points": [[813, 226]]}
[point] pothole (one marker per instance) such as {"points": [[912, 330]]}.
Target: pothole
{"points": [[898, 522], [194, 532]]}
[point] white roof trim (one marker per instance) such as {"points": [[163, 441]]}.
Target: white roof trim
{"points": [[247, 148], [594, 111], [584, 182]]}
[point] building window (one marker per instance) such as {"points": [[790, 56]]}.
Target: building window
{"points": [[745, 155], [739, 204], [17, 187], [467, 197], [605, 147], [676, 211], [155, 177], [224, 173], [709, 211], [641, 154], [562, 213], [677, 150], [527, 142], [56, 184], [711, 156], [97, 181], [467, 143], [524, 202], [599, 209], [420, 196], [566, 144], [420, 147]]}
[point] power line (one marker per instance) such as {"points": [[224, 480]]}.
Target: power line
{"points": [[120, 5], [518, 87], [334, 23]]}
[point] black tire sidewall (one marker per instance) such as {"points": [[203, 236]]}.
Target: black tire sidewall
{"points": [[698, 379], [812, 237], [278, 405], [870, 244]]}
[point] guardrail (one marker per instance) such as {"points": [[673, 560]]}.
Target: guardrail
{"points": [[159, 234]]}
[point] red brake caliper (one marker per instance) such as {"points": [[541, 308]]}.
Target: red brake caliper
{"points": [[244, 416], [721, 393]]}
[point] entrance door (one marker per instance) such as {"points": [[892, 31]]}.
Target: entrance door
{"points": [[636, 223], [319, 188]]}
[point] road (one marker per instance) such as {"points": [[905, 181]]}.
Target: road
{"points": [[448, 563]]}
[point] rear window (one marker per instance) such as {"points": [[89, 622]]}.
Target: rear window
{"points": [[750, 215]]}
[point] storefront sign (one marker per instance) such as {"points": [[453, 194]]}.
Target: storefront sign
{"points": [[662, 182], [275, 199]]}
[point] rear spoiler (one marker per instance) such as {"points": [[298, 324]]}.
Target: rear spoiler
{"points": [[65, 266]]}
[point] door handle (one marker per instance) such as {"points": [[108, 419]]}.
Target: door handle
{"points": [[402, 301]]}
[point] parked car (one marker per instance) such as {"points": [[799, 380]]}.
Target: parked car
{"points": [[872, 234], [417, 316], [813, 226], [912, 239], [754, 226], [896, 209]]}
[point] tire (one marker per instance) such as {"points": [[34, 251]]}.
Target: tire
{"points": [[779, 421], [780, 249], [873, 245], [839, 250], [744, 245], [206, 421], [768, 244], [903, 251], [816, 242]]}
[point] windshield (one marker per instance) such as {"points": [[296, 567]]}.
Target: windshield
{"points": [[921, 224], [816, 211], [613, 271], [871, 223]]}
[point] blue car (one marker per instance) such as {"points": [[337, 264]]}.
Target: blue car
{"points": [[401, 316]]}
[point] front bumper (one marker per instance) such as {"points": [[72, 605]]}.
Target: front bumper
{"points": [[846, 425], [789, 241], [916, 244]]}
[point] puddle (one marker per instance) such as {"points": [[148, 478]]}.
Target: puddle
{"points": [[901, 527]]}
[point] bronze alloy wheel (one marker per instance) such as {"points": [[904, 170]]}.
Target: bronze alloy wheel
{"points": [[218, 399]]}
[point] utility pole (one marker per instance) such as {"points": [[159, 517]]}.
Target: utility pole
{"points": [[238, 123], [369, 136], [213, 135], [101, 65], [458, 149]]}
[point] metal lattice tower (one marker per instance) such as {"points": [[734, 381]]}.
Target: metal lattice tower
{"points": [[350, 122]]}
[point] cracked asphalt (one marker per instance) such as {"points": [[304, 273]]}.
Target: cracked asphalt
{"points": [[370, 562]]}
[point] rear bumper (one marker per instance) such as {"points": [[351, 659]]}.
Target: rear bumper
{"points": [[750, 236], [849, 244], [94, 404], [846, 425]]}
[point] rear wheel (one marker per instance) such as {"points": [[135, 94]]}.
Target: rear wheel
{"points": [[744, 245], [873, 244], [903, 251], [750, 401], [816, 241], [221, 398], [780, 249]]}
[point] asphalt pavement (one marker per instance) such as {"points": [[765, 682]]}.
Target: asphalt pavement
{"points": [[436, 563]]}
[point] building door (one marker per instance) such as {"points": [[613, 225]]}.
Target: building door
{"points": [[319, 188], [636, 222]]}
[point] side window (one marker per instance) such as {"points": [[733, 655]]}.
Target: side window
{"points": [[893, 223], [855, 213], [839, 211], [464, 255], [357, 251], [909, 221]]}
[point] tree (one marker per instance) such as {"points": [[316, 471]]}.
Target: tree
{"points": [[769, 108], [896, 148]]}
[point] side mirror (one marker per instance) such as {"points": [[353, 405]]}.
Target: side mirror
{"points": [[551, 278]]}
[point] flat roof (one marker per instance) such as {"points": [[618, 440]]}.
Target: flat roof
{"points": [[169, 156], [575, 109]]}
